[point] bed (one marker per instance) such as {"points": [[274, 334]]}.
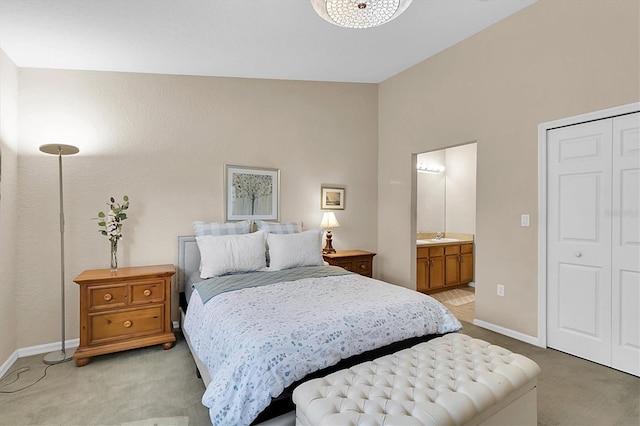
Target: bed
{"points": [[255, 335]]}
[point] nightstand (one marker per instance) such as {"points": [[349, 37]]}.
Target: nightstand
{"points": [[358, 261], [126, 309]]}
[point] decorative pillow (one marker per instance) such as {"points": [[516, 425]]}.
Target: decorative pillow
{"points": [[279, 228], [224, 254], [299, 249], [230, 228]]}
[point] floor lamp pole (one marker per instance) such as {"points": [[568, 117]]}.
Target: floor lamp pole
{"points": [[62, 355]]}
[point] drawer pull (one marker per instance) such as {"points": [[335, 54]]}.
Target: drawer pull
{"points": [[147, 292], [363, 266], [108, 297], [127, 324]]}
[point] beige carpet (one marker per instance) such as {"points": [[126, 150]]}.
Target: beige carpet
{"points": [[154, 384], [140, 387], [160, 421]]}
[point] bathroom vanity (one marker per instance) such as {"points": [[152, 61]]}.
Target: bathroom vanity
{"points": [[443, 263]]}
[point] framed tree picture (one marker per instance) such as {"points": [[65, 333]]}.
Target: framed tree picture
{"points": [[332, 198], [252, 193]]}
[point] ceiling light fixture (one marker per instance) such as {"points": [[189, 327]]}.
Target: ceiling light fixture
{"points": [[359, 13]]}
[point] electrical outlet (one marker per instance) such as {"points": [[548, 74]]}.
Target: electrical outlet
{"points": [[176, 325], [500, 290]]}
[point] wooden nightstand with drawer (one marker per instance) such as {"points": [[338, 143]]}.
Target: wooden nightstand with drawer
{"points": [[126, 309], [358, 261]]}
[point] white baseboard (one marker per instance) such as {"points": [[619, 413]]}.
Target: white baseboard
{"points": [[47, 347], [8, 363], [508, 332], [36, 350]]}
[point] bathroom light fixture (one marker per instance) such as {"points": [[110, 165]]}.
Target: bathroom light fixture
{"points": [[329, 221], [430, 168], [58, 149], [359, 13]]}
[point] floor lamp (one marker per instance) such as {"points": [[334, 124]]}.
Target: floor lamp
{"points": [[59, 149]]}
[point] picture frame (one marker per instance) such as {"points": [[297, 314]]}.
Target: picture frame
{"points": [[251, 193], [332, 197]]}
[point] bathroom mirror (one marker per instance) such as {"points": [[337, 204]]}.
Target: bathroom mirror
{"points": [[446, 190], [431, 192]]}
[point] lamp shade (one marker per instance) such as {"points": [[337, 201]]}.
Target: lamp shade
{"points": [[359, 13], [329, 220]]}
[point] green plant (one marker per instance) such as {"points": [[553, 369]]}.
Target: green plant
{"points": [[111, 222]]}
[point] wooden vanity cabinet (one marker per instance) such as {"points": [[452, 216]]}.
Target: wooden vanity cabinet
{"points": [[466, 263], [430, 268], [442, 266], [458, 264], [452, 265]]}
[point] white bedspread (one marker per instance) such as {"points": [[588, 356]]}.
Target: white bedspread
{"points": [[257, 341]]}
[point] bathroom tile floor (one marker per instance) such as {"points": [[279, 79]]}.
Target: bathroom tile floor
{"points": [[460, 301]]}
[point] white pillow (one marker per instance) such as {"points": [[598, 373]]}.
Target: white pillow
{"points": [[224, 254], [291, 250]]}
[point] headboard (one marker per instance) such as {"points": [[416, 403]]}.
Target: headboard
{"points": [[188, 262]]}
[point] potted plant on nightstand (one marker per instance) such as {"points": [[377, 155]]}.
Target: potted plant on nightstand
{"points": [[111, 222]]}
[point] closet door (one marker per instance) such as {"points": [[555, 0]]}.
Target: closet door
{"points": [[625, 215], [579, 240]]}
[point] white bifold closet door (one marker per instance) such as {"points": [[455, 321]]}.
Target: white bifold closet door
{"points": [[593, 241]]}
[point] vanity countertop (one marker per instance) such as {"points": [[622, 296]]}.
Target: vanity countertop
{"points": [[429, 239], [441, 242]]}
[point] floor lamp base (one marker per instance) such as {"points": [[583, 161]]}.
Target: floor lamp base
{"points": [[58, 357]]}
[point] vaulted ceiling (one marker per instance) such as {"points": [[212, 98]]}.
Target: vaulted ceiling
{"points": [[272, 39]]}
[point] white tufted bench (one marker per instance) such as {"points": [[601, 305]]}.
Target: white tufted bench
{"points": [[450, 380]]}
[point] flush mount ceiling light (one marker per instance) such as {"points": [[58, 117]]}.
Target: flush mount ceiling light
{"points": [[359, 13]]}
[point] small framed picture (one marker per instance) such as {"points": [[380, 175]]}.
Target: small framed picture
{"points": [[332, 198], [252, 193]]}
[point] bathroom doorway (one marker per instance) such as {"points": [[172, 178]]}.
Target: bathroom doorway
{"points": [[446, 211]]}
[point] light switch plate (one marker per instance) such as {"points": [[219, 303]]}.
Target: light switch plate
{"points": [[524, 220]]}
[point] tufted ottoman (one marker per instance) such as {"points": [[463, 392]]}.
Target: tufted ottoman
{"points": [[450, 380]]}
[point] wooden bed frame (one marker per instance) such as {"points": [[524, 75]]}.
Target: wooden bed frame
{"points": [[281, 410]]}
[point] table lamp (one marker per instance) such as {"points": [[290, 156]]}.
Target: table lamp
{"points": [[329, 221]]}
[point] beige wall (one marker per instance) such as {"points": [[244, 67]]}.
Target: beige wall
{"points": [[461, 188], [551, 60], [8, 204], [163, 141]]}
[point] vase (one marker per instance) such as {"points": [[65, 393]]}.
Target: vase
{"points": [[114, 256]]}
